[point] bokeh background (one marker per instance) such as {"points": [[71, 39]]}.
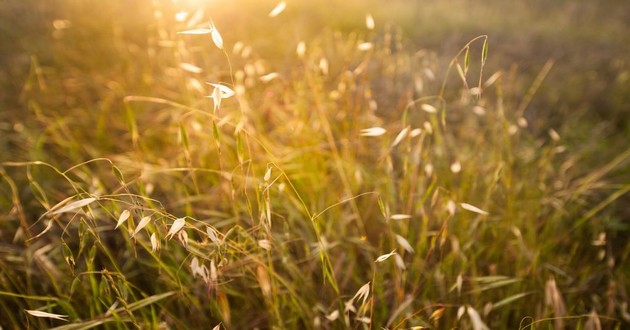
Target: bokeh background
{"points": [[588, 42]]}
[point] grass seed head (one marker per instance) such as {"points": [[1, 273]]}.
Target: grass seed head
{"points": [[323, 66], [428, 108], [475, 319], [269, 77], [122, 218], [405, 244], [190, 68], [265, 244], [238, 47], [365, 46], [400, 263], [183, 237], [553, 299], [554, 135], [403, 134], [362, 293], [213, 271], [155, 243], [456, 167], [332, 316], [385, 256], [196, 31], [479, 110], [47, 315], [216, 36], [194, 266], [263, 280], [176, 227], [363, 319], [473, 208], [143, 223], [459, 282], [428, 169], [279, 8], [428, 127], [301, 49], [267, 175], [181, 16], [429, 74], [218, 93], [74, 206], [415, 132], [348, 306], [460, 312], [451, 207], [373, 131], [212, 234], [369, 21], [400, 216]]}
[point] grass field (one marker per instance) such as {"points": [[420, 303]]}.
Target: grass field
{"points": [[356, 165]]}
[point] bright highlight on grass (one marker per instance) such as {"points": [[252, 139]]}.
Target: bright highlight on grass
{"points": [[279, 8], [473, 208]]}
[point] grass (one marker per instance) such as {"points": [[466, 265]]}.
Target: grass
{"points": [[355, 186]]}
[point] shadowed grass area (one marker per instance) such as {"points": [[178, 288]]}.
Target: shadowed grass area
{"points": [[309, 171]]}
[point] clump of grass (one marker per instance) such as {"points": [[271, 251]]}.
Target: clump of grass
{"points": [[355, 184]]}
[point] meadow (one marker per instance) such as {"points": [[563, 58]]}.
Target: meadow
{"points": [[314, 165]]}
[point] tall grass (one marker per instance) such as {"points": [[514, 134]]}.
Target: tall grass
{"points": [[354, 183]]}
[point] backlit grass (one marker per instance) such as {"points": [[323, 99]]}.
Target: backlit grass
{"points": [[330, 180]]}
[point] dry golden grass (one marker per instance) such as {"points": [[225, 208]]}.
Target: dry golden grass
{"points": [[338, 179]]}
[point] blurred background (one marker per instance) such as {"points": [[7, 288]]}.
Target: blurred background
{"points": [[82, 42]]}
